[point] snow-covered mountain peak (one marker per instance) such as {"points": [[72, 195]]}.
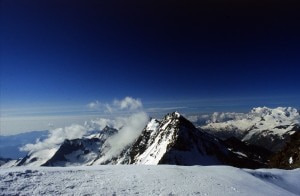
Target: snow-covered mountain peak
{"points": [[152, 144], [261, 118], [176, 114], [257, 125], [103, 134], [109, 131], [279, 112], [175, 140], [173, 115]]}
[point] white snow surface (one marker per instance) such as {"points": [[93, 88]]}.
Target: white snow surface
{"points": [[40, 157], [155, 151], [291, 160], [148, 180], [152, 125]]}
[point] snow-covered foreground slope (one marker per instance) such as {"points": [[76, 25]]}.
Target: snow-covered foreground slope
{"points": [[147, 180]]}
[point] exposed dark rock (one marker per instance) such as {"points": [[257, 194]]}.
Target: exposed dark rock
{"points": [[289, 156]]}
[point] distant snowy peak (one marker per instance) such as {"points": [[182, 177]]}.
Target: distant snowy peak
{"points": [[84, 151], [76, 152], [80, 151], [280, 120], [280, 115], [103, 134], [280, 111], [261, 126]]}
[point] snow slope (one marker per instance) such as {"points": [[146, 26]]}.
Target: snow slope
{"points": [[147, 180]]}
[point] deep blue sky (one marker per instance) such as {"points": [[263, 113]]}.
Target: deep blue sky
{"points": [[68, 53]]}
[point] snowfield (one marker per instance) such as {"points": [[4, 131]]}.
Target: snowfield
{"points": [[147, 180]]}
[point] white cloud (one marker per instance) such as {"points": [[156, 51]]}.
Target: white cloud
{"points": [[56, 137], [132, 127], [129, 127], [128, 103], [94, 105], [164, 109], [108, 108]]}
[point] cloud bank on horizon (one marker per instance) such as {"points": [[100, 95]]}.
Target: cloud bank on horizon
{"points": [[15, 121]]}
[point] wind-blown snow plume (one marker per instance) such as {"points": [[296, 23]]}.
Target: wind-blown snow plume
{"points": [[129, 127], [132, 128]]}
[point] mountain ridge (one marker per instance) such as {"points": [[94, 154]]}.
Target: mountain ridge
{"points": [[171, 140], [266, 127]]}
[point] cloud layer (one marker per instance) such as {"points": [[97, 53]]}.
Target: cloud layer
{"points": [[128, 104], [129, 127], [56, 137], [93, 105]]}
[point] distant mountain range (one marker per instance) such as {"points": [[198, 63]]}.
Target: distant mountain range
{"points": [[175, 140], [269, 128]]}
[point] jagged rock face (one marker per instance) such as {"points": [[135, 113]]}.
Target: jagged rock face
{"points": [[82, 151], [266, 127], [76, 152], [193, 147], [256, 153], [105, 133], [175, 140], [289, 156]]}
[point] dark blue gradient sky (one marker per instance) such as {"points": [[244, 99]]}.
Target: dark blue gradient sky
{"points": [[236, 54]]}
